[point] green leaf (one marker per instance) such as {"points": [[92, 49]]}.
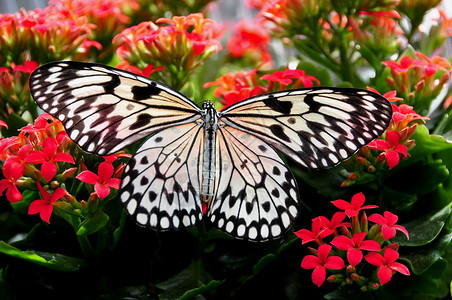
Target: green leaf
{"points": [[49, 260], [94, 223], [427, 144], [421, 258], [187, 284], [118, 231], [423, 230], [202, 289]]}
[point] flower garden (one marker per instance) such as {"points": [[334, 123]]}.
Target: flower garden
{"points": [[377, 225]]}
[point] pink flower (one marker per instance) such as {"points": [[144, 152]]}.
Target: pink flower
{"points": [[388, 228], [317, 233], [12, 172], [103, 181], [354, 246], [386, 265], [320, 263], [353, 208], [45, 206]]}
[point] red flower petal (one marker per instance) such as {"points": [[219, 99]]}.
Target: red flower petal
{"points": [[12, 194], [399, 268], [341, 204], [354, 256], [370, 245], [318, 275], [105, 171], [390, 255], [88, 177], [358, 200], [334, 262], [48, 170], [384, 274], [305, 235], [402, 229], [64, 157], [323, 252], [113, 183], [310, 262], [375, 259], [342, 242], [58, 194], [101, 190], [392, 159]]}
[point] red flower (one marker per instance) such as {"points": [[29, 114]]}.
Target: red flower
{"points": [[317, 234], [386, 264], [391, 148], [12, 172], [405, 64], [353, 208], [45, 206], [336, 221], [48, 158], [103, 181], [354, 246], [388, 228], [320, 263]]}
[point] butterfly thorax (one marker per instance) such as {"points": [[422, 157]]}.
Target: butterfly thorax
{"points": [[210, 124]]}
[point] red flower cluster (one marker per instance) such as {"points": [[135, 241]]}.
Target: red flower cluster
{"points": [[14, 90], [43, 35], [41, 158], [179, 47], [234, 87], [353, 242], [419, 80]]}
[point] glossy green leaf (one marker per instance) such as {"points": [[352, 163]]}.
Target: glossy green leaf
{"points": [[427, 143], [49, 260], [423, 230]]}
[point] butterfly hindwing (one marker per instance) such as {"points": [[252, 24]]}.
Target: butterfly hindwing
{"points": [[104, 109], [316, 127], [160, 186], [255, 193]]}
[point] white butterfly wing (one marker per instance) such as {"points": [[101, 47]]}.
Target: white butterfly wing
{"points": [[105, 109], [160, 186], [316, 127], [255, 193]]}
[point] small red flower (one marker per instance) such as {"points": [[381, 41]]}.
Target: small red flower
{"points": [[48, 158], [336, 221], [103, 181], [386, 265], [354, 246], [320, 263], [388, 228], [391, 148], [45, 206], [353, 208], [12, 172], [317, 234]]}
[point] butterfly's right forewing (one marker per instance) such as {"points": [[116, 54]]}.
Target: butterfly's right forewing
{"points": [[104, 109]]}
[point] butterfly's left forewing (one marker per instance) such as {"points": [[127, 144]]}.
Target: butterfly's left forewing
{"points": [[104, 109]]}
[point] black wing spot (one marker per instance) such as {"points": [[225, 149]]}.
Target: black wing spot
{"points": [[144, 161], [144, 181], [144, 92], [152, 196], [262, 148], [142, 120], [158, 139], [278, 131], [275, 193], [283, 107], [276, 171], [291, 120]]}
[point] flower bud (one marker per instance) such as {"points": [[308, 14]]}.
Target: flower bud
{"points": [[363, 222], [335, 278], [54, 184], [69, 173], [350, 269], [374, 286], [355, 277], [345, 231], [393, 246]]}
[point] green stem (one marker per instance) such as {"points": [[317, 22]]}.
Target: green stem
{"points": [[83, 240]]}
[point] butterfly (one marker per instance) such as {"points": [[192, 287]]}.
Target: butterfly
{"points": [[225, 159]]}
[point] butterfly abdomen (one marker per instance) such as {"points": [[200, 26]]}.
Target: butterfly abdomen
{"points": [[208, 164]]}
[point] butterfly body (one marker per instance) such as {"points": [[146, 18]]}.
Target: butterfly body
{"points": [[226, 158]]}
